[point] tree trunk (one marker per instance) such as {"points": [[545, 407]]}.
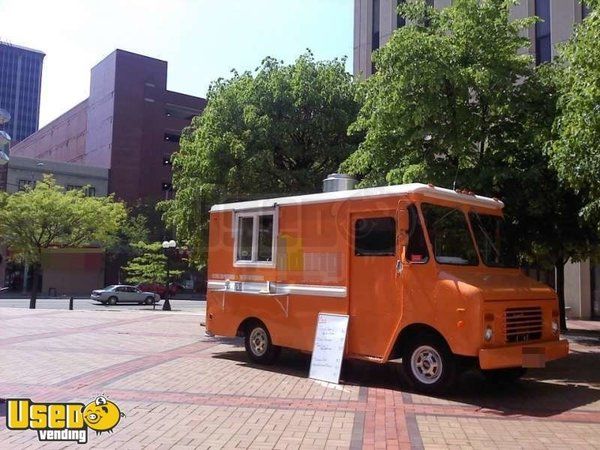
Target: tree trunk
{"points": [[34, 286], [560, 290]]}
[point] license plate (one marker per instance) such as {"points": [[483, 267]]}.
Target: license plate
{"points": [[534, 357]]}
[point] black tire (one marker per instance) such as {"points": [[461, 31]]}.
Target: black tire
{"points": [[149, 300], [113, 300], [504, 376], [429, 365], [259, 347]]}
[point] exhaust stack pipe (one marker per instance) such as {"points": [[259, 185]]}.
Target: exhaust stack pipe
{"points": [[338, 182]]}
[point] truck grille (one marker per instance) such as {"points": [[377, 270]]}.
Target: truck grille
{"points": [[523, 324]]}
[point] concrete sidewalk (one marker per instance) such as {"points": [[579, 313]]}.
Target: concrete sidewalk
{"points": [[180, 389], [587, 326]]}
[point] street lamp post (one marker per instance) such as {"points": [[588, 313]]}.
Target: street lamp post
{"points": [[167, 247]]}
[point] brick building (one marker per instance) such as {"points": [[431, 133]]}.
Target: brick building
{"points": [[129, 124]]}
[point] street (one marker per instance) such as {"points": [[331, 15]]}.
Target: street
{"points": [[181, 389], [86, 304]]}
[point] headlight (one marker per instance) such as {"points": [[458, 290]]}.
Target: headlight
{"points": [[555, 326], [488, 334]]}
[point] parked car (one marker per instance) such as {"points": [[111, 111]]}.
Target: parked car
{"points": [[160, 289], [119, 293]]}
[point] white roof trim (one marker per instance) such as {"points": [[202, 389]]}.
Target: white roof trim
{"points": [[357, 194]]}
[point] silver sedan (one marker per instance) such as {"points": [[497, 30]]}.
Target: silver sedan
{"points": [[120, 293]]}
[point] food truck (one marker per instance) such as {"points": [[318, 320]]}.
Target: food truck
{"points": [[420, 270]]}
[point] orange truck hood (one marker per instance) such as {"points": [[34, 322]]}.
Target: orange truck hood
{"points": [[501, 284]]}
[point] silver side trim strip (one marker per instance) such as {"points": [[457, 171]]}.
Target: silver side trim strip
{"points": [[278, 288]]}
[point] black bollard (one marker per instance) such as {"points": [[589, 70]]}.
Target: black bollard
{"points": [[71, 304], [166, 305]]}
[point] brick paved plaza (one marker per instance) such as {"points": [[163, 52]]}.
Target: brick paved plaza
{"points": [[180, 389]]}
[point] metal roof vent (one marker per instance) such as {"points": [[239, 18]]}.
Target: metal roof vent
{"points": [[338, 182]]}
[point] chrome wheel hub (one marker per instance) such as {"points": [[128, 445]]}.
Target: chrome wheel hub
{"points": [[258, 341], [426, 364]]}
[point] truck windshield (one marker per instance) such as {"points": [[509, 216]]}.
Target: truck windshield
{"points": [[488, 232], [449, 235]]}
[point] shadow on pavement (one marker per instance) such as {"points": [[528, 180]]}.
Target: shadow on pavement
{"points": [[564, 385]]}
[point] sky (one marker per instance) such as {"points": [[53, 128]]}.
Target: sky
{"points": [[202, 40]]}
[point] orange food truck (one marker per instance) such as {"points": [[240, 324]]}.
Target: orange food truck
{"points": [[420, 271]]}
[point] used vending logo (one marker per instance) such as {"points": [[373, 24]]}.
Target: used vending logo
{"points": [[62, 421]]}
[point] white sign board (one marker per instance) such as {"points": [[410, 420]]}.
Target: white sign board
{"points": [[328, 351]]}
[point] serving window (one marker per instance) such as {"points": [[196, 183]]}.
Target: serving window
{"points": [[255, 238]]}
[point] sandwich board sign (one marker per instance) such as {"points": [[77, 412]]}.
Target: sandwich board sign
{"points": [[328, 350]]}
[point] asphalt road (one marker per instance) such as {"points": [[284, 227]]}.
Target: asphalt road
{"points": [[188, 306]]}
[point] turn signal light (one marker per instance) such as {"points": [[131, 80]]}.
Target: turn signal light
{"points": [[488, 334]]}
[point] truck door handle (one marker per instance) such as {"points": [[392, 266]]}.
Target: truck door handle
{"points": [[399, 266]]}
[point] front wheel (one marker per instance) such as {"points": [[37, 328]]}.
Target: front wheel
{"points": [[429, 364], [259, 346], [112, 301]]}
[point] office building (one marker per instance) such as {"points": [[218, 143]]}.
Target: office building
{"points": [[20, 86], [129, 124], [376, 20]]}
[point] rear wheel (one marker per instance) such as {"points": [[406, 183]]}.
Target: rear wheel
{"points": [[112, 301], [259, 346], [429, 364], [504, 376], [149, 300]]}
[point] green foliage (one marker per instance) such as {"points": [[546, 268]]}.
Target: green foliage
{"points": [[134, 229], [576, 151], [279, 130], [48, 216], [459, 101], [150, 266], [444, 101]]}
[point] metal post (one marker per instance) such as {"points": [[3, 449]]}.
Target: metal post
{"points": [[71, 304], [167, 304]]}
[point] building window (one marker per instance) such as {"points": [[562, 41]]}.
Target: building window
{"points": [[374, 31], [73, 187], [90, 191], [24, 184], [430, 3], [585, 11], [375, 237], [172, 137], [181, 112], [543, 41], [255, 237], [400, 20]]}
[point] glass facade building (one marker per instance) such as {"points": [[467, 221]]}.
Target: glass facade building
{"points": [[20, 85]]}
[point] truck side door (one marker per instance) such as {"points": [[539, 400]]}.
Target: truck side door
{"points": [[375, 300]]}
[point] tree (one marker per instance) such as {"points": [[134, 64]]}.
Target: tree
{"points": [[150, 266], [48, 216], [455, 101], [134, 229], [576, 151], [279, 130]]}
